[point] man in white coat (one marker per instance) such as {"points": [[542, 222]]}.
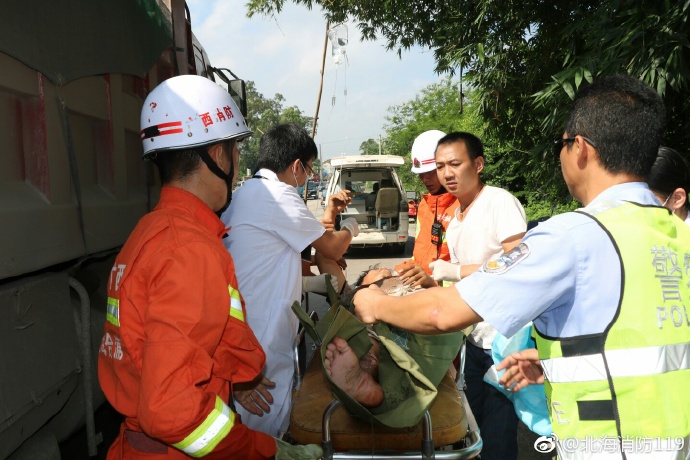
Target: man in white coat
{"points": [[270, 226]]}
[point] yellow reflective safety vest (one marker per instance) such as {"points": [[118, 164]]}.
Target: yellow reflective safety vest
{"points": [[626, 390]]}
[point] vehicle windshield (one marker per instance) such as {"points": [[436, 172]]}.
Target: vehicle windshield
{"points": [[359, 187]]}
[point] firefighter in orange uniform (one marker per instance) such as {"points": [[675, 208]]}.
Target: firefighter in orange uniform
{"points": [[176, 340], [434, 214]]}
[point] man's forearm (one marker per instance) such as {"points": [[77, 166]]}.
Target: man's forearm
{"points": [[467, 270], [328, 224], [431, 311], [329, 215], [333, 244]]}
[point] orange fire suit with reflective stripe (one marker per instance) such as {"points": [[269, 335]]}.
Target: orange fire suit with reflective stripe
{"points": [[175, 338], [424, 251]]}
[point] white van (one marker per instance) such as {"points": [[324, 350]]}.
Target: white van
{"points": [[379, 201]]}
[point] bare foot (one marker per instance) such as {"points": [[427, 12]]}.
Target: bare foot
{"points": [[344, 368]]}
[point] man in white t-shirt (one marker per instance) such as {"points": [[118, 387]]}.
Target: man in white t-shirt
{"points": [[270, 225], [489, 222]]}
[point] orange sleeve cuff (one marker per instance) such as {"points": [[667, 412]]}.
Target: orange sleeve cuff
{"points": [[402, 264]]}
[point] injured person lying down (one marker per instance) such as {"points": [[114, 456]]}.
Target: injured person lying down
{"points": [[359, 377], [379, 372]]}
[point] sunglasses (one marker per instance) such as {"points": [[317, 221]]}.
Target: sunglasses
{"points": [[558, 143]]}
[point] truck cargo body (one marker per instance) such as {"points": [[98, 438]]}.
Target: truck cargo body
{"points": [[73, 77]]}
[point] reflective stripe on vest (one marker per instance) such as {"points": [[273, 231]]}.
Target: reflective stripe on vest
{"points": [[235, 304], [630, 380], [212, 431], [113, 314], [622, 363]]}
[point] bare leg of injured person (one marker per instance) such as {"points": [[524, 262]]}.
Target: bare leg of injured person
{"points": [[359, 378]]}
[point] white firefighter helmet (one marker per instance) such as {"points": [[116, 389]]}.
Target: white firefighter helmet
{"points": [[189, 111], [424, 150]]}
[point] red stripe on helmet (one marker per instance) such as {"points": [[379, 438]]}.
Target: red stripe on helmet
{"points": [[169, 124], [173, 127]]}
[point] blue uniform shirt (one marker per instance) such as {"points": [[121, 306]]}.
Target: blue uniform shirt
{"points": [[568, 282]]}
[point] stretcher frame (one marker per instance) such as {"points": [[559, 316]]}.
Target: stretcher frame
{"points": [[472, 440]]}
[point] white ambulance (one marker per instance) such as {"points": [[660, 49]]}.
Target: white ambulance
{"points": [[379, 203]]}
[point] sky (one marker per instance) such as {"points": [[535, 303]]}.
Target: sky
{"points": [[283, 54]]}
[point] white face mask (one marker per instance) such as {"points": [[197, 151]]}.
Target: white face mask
{"points": [[677, 211], [305, 175]]}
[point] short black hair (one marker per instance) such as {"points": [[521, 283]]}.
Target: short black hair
{"points": [[348, 295], [669, 172], [281, 145], [176, 164], [182, 163], [625, 118], [474, 146]]}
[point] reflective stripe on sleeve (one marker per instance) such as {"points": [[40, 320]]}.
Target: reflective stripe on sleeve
{"points": [[622, 363], [207, 435], [113, 314], [235, 304]]}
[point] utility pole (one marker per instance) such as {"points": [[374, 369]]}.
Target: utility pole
{"points": [[380, 148], [323, 65]]}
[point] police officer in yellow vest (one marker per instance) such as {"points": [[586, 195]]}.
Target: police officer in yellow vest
{"points": [[606, 286]]}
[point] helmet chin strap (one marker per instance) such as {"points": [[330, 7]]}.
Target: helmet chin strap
{"points": [[213, 167]]}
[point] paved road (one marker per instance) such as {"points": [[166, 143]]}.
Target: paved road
{"points": [[359, 260]]}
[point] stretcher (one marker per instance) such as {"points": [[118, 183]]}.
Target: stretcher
{"points": [[447, 430]]}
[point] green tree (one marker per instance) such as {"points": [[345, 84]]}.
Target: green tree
{"points": [[264, 113], [436, 107], [526, 59], [369, 147]]}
